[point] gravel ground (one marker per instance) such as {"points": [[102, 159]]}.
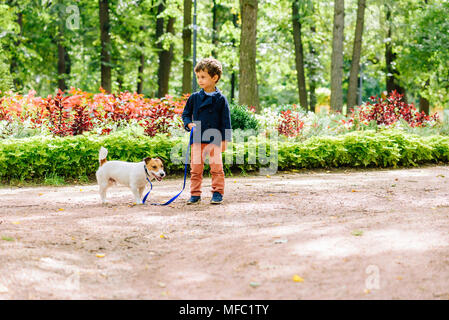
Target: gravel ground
{"points": [[340, 234]]}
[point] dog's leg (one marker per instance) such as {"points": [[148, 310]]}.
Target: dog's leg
{"points": [[136, 193], [103, 188], [141, 190]]}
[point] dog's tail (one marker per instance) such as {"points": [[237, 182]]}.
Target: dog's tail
{"points": [[102, 156]]}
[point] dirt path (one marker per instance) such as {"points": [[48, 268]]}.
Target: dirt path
{"points": [[346, 235]]}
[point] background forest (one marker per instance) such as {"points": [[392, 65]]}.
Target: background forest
{"points": [[145, 46]]}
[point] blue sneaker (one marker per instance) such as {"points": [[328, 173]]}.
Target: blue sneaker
{"points": [[194, 200], [217, 198]]}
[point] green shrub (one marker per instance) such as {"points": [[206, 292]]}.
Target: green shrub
{"points": [[242, 118], [48, 159]]}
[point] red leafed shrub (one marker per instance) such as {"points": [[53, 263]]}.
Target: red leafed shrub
{"points": [[289, 123], [81, 120], [157, 119], [3, 112], [386, 111], [58, 114], [78, 111]]}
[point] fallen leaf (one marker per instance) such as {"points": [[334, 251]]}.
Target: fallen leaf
{"points": [[163, 237], [281, 241], [100, 255], [3, 289], [357, 233], [297, 278], [399, 278], [15, 222], [367, 291], [81, 189], [353, 190], [40, 194], [254, 284], [268, 176], [61, 209], [161, 284], [7, 238]]}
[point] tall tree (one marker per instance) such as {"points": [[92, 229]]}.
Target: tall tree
{"points": [[299, 55], [356, 53], [141, 65], [337, 56], [105, 39], [248, 91], [14, 60], [165, 56], [233, 74], [313, 60], [64, 65], [214, 28], [187, 68], [392, 74]]}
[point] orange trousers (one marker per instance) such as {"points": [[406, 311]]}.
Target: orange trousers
{"points": [[198, 155]]}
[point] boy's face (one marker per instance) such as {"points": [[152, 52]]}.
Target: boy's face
{"points": [[205, 81]]}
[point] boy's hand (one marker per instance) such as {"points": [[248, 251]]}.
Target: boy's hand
{"points": [[191, 125]]}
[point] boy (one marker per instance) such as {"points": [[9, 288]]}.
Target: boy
{"points": [[208, 111]]}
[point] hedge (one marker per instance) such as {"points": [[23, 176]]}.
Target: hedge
{"points": [[75, 157]]}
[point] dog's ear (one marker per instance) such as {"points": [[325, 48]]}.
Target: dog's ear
{"points": [[147, 159]]}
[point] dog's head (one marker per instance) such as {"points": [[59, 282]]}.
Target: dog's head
{"points": [[155, 167]]}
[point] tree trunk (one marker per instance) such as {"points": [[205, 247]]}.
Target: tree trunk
{"points": [[165, 57], [337, 56], [356, 52], [233, 75], [424, 104], [64, 64], [140, 71], [62, 67], [313, 73], [187, 68], [299, 55], [248, 94], [105, 45], [13, 67], [313, 66], [390, 57], [214, 29]]}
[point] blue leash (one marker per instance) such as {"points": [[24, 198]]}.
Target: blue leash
{"points": [[185, 176]]}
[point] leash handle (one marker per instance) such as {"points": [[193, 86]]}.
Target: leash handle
{"points": [[185, 177]]}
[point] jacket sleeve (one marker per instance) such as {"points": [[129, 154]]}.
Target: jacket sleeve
{"points": [[188, 113], [226, 132]]}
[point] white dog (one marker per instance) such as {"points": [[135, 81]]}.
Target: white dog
{"points": [[130, 174]]}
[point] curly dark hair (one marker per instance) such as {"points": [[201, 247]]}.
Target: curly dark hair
{"points": [[211, 65]]}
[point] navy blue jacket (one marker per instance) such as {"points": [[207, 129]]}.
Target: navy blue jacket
{"points": [[209, 112]]}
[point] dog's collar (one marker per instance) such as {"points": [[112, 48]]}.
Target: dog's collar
{"points": [[146, 171]]}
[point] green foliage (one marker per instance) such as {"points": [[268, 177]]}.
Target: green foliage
{"points": [[76, 157], [243, 118], [364, 149], [52, 159], [5, 76]]}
